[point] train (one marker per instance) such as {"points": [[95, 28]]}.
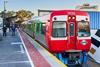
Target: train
{"points": [[65, 33]]}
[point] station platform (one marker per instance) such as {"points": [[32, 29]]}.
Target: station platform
{"points": [[23, 51]]}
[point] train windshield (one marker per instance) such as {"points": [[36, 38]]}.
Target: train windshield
{"points": [[83, 29], [59, 29]]}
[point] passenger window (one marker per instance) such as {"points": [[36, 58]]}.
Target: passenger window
{"points": [[37, 27], [43, 26]]}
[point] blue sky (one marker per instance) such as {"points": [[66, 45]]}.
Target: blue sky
{"points": [[45, 4]]}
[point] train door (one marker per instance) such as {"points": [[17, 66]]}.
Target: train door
{"points": [[72, 32]]}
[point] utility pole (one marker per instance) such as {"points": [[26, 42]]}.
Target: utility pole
{"points": [[4, 13]]}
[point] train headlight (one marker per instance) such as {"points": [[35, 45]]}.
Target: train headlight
{"points": [[83, 42], [73, 17], [69, 18]]}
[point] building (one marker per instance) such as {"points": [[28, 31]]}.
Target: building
{"points": [[43, 12], [87, 7], [94, 14]]}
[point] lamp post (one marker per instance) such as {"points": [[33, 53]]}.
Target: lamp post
{"points": [[4, 13]]}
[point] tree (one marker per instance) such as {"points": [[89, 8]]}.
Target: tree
{"points": [[11, 13], [7, 14], [1, 14], [23, 15]]}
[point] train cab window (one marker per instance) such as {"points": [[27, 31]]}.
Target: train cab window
{"points": [[83, 29], [59, 29]]}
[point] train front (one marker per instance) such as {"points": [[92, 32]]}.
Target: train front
{"points": [[69, 35]]}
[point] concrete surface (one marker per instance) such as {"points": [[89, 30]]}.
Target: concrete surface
{"points": [[12, 53]]}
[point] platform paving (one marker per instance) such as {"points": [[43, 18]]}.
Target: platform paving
{"points": [[12, 52]]}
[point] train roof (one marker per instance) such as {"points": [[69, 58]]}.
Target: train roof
{"points": [[70, 12], [44, 18]]}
